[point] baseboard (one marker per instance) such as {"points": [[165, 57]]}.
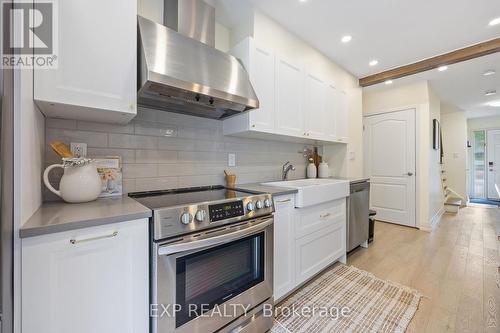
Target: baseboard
{"points": [[435, 219]]}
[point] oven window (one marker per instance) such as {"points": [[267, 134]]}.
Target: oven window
{"points": [[210, 277]]}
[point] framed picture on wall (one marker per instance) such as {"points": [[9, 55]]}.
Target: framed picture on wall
{"points": [[436, 134]]}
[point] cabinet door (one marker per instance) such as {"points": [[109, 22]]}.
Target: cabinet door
{"points": [[283, 246], [318, 217], [97, 61], [342, 117], [262, 77], [314, 107], [289, 92], [331, 109], [318, 250], [98, 283]]}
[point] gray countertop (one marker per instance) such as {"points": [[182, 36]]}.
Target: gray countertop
{"points": [[60, 216], [259, 188]]}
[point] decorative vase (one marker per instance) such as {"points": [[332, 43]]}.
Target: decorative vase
{"points": [[80, 182]]}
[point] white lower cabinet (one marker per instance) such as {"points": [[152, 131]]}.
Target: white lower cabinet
{"points": [[318, 250], [283, 245], [306, 241], [87, 280]]}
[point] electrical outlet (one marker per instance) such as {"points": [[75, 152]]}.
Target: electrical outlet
{"points": [[231, 160], [79, 149]]}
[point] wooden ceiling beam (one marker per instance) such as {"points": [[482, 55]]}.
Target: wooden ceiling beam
{"points": [[467, 53]]}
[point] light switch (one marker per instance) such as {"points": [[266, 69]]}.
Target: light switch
{"points": [[231, 160]]}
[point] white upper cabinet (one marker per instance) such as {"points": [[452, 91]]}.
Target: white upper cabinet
{"points": [[295, 105], [262, 78], [96, 78], [331, 110], [342, 117], [289, 93], [314, 111]]}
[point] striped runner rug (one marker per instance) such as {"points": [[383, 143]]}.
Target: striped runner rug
{"points": [[347, 299]]}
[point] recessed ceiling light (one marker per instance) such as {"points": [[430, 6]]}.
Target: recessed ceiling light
{"points": [[346, 39], [373, 63], [495, 21], [302, 0], [489, 72], [490, 93], [494, 104], [442, 68], [388, 82]]}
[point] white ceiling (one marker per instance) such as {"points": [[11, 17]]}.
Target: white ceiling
{"points": [[398, 32], [395, 32], [462, 85]]}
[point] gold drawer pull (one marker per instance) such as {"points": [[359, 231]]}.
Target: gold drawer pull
{"points": [[325, 215], [75, 241], [282, 201]]}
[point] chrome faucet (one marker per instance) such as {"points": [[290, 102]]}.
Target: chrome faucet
{"points": [[285, 169]]}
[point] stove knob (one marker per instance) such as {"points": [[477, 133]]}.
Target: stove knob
{"points": [[186, 218], [250, 206], [200, 215], [267, 203], [259, 204]]}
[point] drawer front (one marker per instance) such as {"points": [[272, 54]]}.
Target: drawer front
{"points": [[317, 251], [319, 217]]}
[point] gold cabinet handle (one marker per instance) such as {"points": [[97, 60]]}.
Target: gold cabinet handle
{"points": [[282, 201], [325, 215], [78, 241]]}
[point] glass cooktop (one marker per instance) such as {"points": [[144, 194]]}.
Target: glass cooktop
{"points": [[186, 196]]}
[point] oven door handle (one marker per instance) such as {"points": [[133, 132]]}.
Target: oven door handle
{"points": [[211, 241]]}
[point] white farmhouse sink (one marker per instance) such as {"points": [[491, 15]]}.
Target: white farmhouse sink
{"points": [[315, 191]]}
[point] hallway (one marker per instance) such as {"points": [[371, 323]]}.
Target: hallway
{"points": [[456, 267]]}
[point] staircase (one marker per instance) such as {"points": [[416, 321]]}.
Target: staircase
{"points": [[452, 200]]}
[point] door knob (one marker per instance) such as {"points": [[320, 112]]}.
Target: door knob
{"points": [[410, 173]]}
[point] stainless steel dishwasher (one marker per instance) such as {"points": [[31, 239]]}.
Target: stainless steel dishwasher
{"points": [[357, 214]]}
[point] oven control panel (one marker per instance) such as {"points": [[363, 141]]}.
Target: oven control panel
{"points": [[226, 210]]}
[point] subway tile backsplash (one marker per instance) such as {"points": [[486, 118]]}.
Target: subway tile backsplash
{"points": [[162, 150]]}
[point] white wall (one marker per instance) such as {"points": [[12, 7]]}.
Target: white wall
{"points": [[436, 194], [454, 129], [379, 100], [418, 96]]}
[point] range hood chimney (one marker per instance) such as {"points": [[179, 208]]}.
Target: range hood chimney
{"points": [[192, 18], [181, 71]]}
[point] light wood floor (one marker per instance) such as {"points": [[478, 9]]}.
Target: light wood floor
{"points": [[456, 267]]}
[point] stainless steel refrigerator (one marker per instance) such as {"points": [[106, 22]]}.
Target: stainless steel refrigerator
{"points": [[7, 188]]}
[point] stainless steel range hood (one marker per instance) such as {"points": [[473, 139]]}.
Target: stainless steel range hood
{"points": [[180, 74]]}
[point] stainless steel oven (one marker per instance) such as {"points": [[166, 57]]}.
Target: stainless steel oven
{"points": [[211, 260], [209, 279]]}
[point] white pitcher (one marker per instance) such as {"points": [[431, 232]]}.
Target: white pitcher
{"points": [[80, 183]]}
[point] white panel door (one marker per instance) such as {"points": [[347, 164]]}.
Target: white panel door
{"points": [[493, 161], [289, 92], [262, 77], [314, 107], [390, 163]]}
